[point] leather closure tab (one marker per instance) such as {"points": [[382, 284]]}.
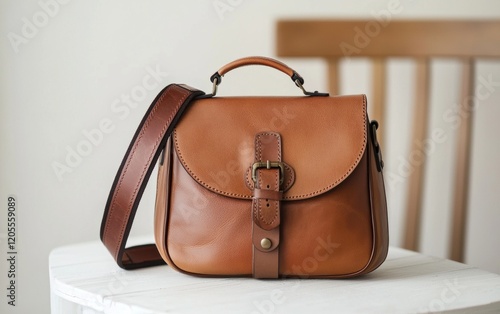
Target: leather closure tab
{"points": [[268, 194], [260, 234], [268, 176], [266, 211]]}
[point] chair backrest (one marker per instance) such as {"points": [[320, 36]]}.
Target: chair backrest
{"points": [[420, 40]]}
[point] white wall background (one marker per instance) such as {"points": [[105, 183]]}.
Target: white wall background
{"points": [[64, 79]]}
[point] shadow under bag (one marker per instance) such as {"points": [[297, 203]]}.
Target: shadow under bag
{"points": [[254, 186]]}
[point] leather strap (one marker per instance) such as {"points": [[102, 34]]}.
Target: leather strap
{"points": [[134, 172], [266, 207]]}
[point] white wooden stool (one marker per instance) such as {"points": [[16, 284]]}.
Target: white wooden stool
{"points": [[85, 279]]}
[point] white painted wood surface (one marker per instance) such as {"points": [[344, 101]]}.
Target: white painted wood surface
{"points": [[85, 279]]}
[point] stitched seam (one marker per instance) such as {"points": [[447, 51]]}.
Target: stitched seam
{"points": [[349, 171], [198, 179], [291, 177], [255, 210], [134, 149], [301, 196], [276, 180], [258, 152], [262, 217], [132, 153], [247, 174]]}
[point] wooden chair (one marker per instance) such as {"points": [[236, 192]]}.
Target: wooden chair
{"points": [[420, 40]]}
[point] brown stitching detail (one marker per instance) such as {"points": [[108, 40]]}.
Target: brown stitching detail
{"points": [[291, 177], [258, 148], [276, 181], [259, 203], [302, 196], [186, 167], [198, 179], [255, 210], [130, 157], [349, 171], [275, 213], [144, 128], [247, 175], [117, 190]]}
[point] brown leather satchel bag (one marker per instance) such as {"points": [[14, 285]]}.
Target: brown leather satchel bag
{"points": [[254, 186]]}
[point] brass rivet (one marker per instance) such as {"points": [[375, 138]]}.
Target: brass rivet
{"points": [[265, 243]]}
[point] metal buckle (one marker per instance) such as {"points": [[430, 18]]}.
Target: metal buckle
{"points": [[268, 165]]}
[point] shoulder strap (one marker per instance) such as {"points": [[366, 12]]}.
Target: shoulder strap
{"points": [[134, 172]]}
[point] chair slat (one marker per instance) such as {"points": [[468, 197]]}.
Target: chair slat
{"points": [[416, 157], [462, 163], [333, 76], [397, 38], [378, 99]]}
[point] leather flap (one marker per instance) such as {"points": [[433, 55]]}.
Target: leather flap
{"points": [[323, 140]]}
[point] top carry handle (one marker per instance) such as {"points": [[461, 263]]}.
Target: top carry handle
{"points": [[216, 78]]}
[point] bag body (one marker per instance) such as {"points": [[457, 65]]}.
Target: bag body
{"points": [[259, 186], [333, 220]]}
